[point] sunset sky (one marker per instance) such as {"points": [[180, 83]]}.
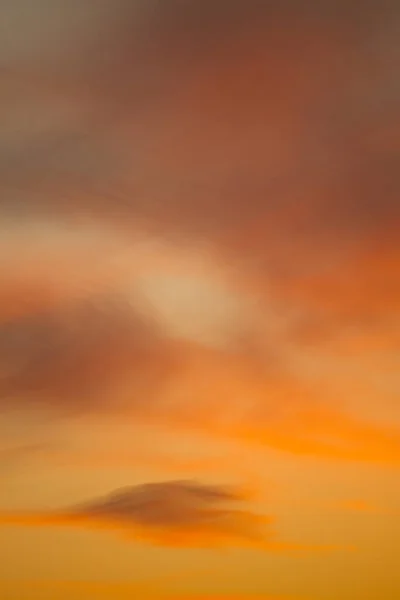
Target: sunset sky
{"points": [[199, 300]]}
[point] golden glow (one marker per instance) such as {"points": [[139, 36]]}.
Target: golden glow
{"points": [[199, 301]]}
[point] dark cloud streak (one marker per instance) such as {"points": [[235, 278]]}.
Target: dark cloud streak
{"points": [[172, 513]]}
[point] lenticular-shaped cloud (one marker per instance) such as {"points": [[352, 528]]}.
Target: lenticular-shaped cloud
{"points": [[171, 513]]}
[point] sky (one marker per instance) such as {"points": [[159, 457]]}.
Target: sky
{"points": [[199, 300]]}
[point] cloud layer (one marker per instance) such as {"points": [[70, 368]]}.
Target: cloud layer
{"points": [[255, 151]]}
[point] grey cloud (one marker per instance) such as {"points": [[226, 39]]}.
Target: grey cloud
{"points": [[171, 503], [69, 360], [262, 129], [171, 513], [174, 514]]}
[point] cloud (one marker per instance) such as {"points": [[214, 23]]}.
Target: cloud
{"points": [[104, 356], [68, 361], [173, 514], [276, 409], [261, 139], [48, 264], [320, 189], [326, 432]]}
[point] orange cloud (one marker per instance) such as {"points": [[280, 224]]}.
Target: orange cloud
{"points": [[228, 400], [105, 358], [325, 432], [79, 360]]}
